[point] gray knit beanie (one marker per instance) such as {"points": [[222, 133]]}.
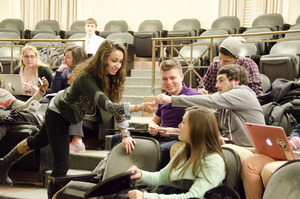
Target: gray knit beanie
{"points": [[233, 45]]}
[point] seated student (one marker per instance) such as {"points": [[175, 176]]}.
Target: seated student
{"points": [[201, 160], [31, 67], [9, 102], [92, 41], [258, 168], [73, 55], [229, 53], [234, 104], [166, 118]]}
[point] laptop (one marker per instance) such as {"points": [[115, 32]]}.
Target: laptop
{"points": [[12, 83], [271, 141]]}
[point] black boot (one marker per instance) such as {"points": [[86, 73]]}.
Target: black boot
{"points": [[12, 157]]}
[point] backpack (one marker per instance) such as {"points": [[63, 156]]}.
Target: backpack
{"points": [[281, 91], [280, 115]]}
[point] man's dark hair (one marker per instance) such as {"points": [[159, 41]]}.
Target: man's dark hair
{"points": [[226, 52], [235, 72]]}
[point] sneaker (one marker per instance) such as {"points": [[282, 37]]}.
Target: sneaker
{"points": [[76, 147]]}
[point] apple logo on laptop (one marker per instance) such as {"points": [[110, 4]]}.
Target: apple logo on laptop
{"points": [[269, 142]]}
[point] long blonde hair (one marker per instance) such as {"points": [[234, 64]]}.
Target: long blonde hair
{"points": [[39, 61], [111, 85], [204, 139]]}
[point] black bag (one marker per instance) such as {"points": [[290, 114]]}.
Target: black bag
{"points": [[221, 192], [275, 114], [281, 91]]}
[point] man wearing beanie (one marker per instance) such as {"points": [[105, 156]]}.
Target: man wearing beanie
{"points": [[229, 53]]}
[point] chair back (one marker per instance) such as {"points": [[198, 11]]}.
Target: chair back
{"points": [[213, 32], [265, 82], [151, 25], [116, 26], [15, 25], [8, 35], [76, 36], [42, 44], [248, 50], [233, 161], [48, 25], [229, 23], [78, 25], [146, 156], [284, 182], [191, 25], [121, 37], [272, 19], [293, 35]]}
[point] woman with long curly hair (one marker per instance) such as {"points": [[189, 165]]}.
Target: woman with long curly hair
{"points": [[201, 160], [31, 67], [100, 82]]}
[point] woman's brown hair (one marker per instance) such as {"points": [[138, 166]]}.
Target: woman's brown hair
{"points": [[111, 85], [204, 139]]}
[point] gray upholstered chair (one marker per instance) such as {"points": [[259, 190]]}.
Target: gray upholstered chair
{"points": [[113, 27], [46, 26], [9, 35], [233, 161], [293, 35], [75, 36], [263, 47], [284, 183], [146, 156], [229, 23], [5, 58], [42, 44], [248, 49], [265, 82], [76, 27], [184, 28], [272, 21], [213, 32], [282, 62], [12, 25], [142, 39]]}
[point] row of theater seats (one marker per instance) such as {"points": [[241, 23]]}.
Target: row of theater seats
{"points": [[150, 28]]}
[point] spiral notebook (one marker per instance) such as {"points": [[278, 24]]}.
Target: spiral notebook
{"points": [[270, 141]]}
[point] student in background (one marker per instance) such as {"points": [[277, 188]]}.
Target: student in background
{"points": [[30, 68], [73, 55], [229, 53], [92, 41]]}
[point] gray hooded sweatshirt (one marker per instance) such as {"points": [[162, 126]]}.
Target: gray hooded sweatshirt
{"points": [[233, 109]]}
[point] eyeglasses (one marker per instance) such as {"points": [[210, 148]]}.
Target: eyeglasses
{"points": [[29, 57]]}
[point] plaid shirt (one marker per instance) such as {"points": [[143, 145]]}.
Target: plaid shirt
{"points": [[209, 81]]}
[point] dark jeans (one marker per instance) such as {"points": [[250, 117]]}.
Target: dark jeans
{"points": [[55, 131], [165, 145]]}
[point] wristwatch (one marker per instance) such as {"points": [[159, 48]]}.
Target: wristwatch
{"points": [[125, 133]]}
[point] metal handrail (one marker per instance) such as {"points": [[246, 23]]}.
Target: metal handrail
{"points": [[24, 41]]}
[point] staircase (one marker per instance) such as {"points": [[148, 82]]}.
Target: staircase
{"points": [[136, 87]]}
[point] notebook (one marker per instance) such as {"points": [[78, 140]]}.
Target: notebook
{"points": [[12, 83], [270, 141]]}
